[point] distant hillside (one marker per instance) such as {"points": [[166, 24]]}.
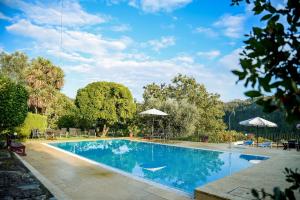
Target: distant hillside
{"points": [[246, 109]]}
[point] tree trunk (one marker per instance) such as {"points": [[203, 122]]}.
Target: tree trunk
{"points": [[105, 130]]}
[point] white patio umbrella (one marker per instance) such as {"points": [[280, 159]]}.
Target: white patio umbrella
{"points": [[257, 122], [153, 112]]}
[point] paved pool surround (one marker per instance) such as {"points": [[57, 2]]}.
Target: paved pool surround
{"points": [[73, 178]]}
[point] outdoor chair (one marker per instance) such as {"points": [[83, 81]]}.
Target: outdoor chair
{"points": [[17, 147], [163, 135], [35, 133], [265, 144], [49, 134], [79, 132], [63, 132], [292, 144], [92, 132], [57, 133], [285, 144], [156, 135], [147, 136], [83, 133], [72, 132]]}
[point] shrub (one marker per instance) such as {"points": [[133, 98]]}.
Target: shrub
{"points": [[224, 136], [262, 139], [134, 129], [32, 121], [13, 104]]}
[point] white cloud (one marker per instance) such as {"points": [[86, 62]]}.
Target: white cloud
{"points": [[50, 14], [163, 5], [82, 68], [206, 31], [4, 17], [152, 6], [121, 28], [209, 54], [231, 60], [232, 25], [73, 41], [279, 4], [161, 43], [90, 57], [71, 56], [184, 59]]}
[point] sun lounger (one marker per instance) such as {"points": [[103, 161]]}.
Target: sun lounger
{"points": [[248, 142], [265, 144], [238, 143]]}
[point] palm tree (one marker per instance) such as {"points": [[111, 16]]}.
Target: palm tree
{"points": [[43, 80]]}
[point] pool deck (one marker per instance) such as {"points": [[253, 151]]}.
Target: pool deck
{"points": [[267, 174], [68, 177]]}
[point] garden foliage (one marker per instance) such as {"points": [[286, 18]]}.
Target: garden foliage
{"points": [[102, 104], [192, 110], [32, 121], [13, 104], [270, 59]]}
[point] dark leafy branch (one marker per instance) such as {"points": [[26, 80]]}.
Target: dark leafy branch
{"points": [[270, 60], [292, 177]]}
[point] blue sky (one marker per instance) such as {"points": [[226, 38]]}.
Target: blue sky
{"points": [[133, 42]]}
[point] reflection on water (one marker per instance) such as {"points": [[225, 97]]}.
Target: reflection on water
{"points": [[137, 170], [181, 168]]}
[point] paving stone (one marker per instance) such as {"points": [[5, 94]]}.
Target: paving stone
{"points": [[17, 183]]}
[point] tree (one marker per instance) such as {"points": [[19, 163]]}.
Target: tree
{"points": [[43, 80], [209, 107], [271, 58], [153, 91], [14, 65], [182, 119], [60, 106], [13, 104], [104, 104], [186, 99]]}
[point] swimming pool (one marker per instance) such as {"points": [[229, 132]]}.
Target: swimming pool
{"points": [[180, 168]]}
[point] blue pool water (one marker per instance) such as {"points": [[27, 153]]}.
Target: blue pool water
{"points": [[181, 168]]}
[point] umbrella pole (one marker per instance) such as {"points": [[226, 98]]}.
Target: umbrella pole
{"points": [[152, 126], [256, 136]]}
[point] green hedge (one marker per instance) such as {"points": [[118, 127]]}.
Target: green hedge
{"points": [[32, 121]]}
